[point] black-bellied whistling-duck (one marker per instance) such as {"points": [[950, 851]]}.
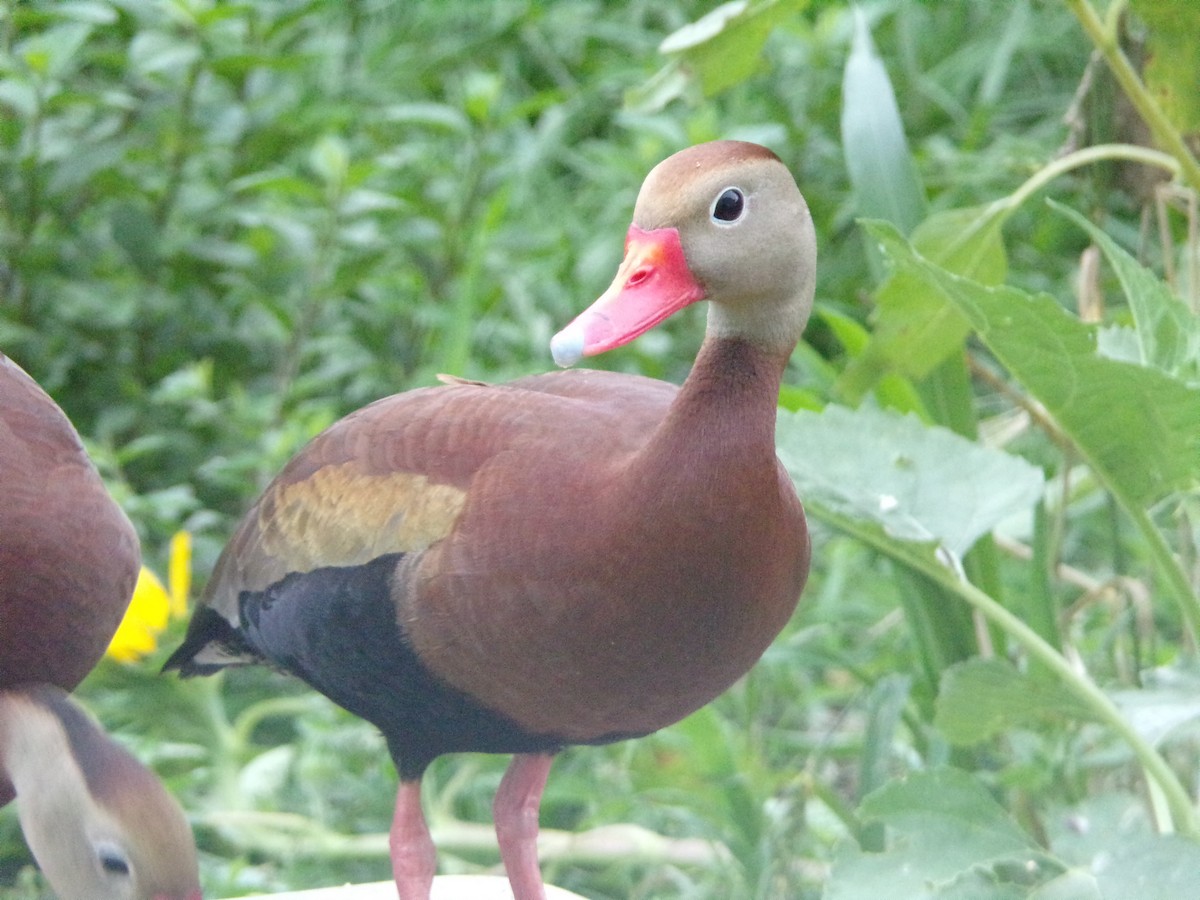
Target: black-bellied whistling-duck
{"points": [[68, 556], [570, 558], [100, 825]]}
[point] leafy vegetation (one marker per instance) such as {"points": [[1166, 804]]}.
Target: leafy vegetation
{"points": [[226, 224]]}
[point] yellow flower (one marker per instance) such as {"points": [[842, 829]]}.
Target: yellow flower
{"points": [[153, 605], [179, 573]]}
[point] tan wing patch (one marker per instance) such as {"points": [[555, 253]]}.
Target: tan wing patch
{"points": [[342, 517]]}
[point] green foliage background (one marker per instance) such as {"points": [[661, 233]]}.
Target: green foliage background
{"points": [[224, 225]]}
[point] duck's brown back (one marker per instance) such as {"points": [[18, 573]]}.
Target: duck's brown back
{"points": [[69, 557]]}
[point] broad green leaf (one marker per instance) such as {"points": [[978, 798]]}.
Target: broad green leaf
{"points": [[1168, 333], [724, 47], [891, 388], [946, 838], [967, 241], [1172, 64], [914, 330], [1074, 884], [1168, 700], [1109, 837], [1135, 426], [922, 483], [981, 698], [948, 797], [1119, 342]]}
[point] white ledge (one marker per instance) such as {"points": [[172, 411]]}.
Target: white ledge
{"points": [[445, 887]]}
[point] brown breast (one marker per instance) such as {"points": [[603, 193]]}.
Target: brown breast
{"points": [[612, 576]]}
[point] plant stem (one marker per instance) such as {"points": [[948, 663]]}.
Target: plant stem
{"points": [[1084, 157], [252, 716], [835, 804], [281, 835], [225, 757], [1166, 564], [914, 556], [1104, 36]]}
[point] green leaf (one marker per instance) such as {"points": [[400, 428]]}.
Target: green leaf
{"points": [[53, 51], [922, 483], [1168, 333], [946, 838], [967, 241], [724, 47], [913, 333], [19, 96], [887, 187], [86, 11], [884, 711], [908, 318], [1135, 426], [434, 115], [330, 160], [1168, 700], [980, 698], [1109, 837], [652, 95], [1074, 884], [278, 182], [135, 231], [881, 168], [1172, 68], [160, 53]]}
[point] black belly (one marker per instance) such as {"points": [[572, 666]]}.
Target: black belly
{"points": [[336, 629]]}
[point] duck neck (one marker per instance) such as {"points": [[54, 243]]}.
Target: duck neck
{"points": [[726, 405], [715, 448], [31, 753]]}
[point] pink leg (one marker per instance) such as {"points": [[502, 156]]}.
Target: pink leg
{"points": [[414, 858], [516, 813]]}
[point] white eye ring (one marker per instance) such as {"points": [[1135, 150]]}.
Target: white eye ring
{"points": [[729, 207]]}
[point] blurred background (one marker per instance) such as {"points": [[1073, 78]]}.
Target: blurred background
{"points": [[223, 225]]}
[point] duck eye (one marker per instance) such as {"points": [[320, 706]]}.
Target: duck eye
{"points": [[729, 206], [112, 860]]}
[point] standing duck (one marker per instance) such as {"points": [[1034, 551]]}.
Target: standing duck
{"points": [[571, 558], [99, 824]]}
